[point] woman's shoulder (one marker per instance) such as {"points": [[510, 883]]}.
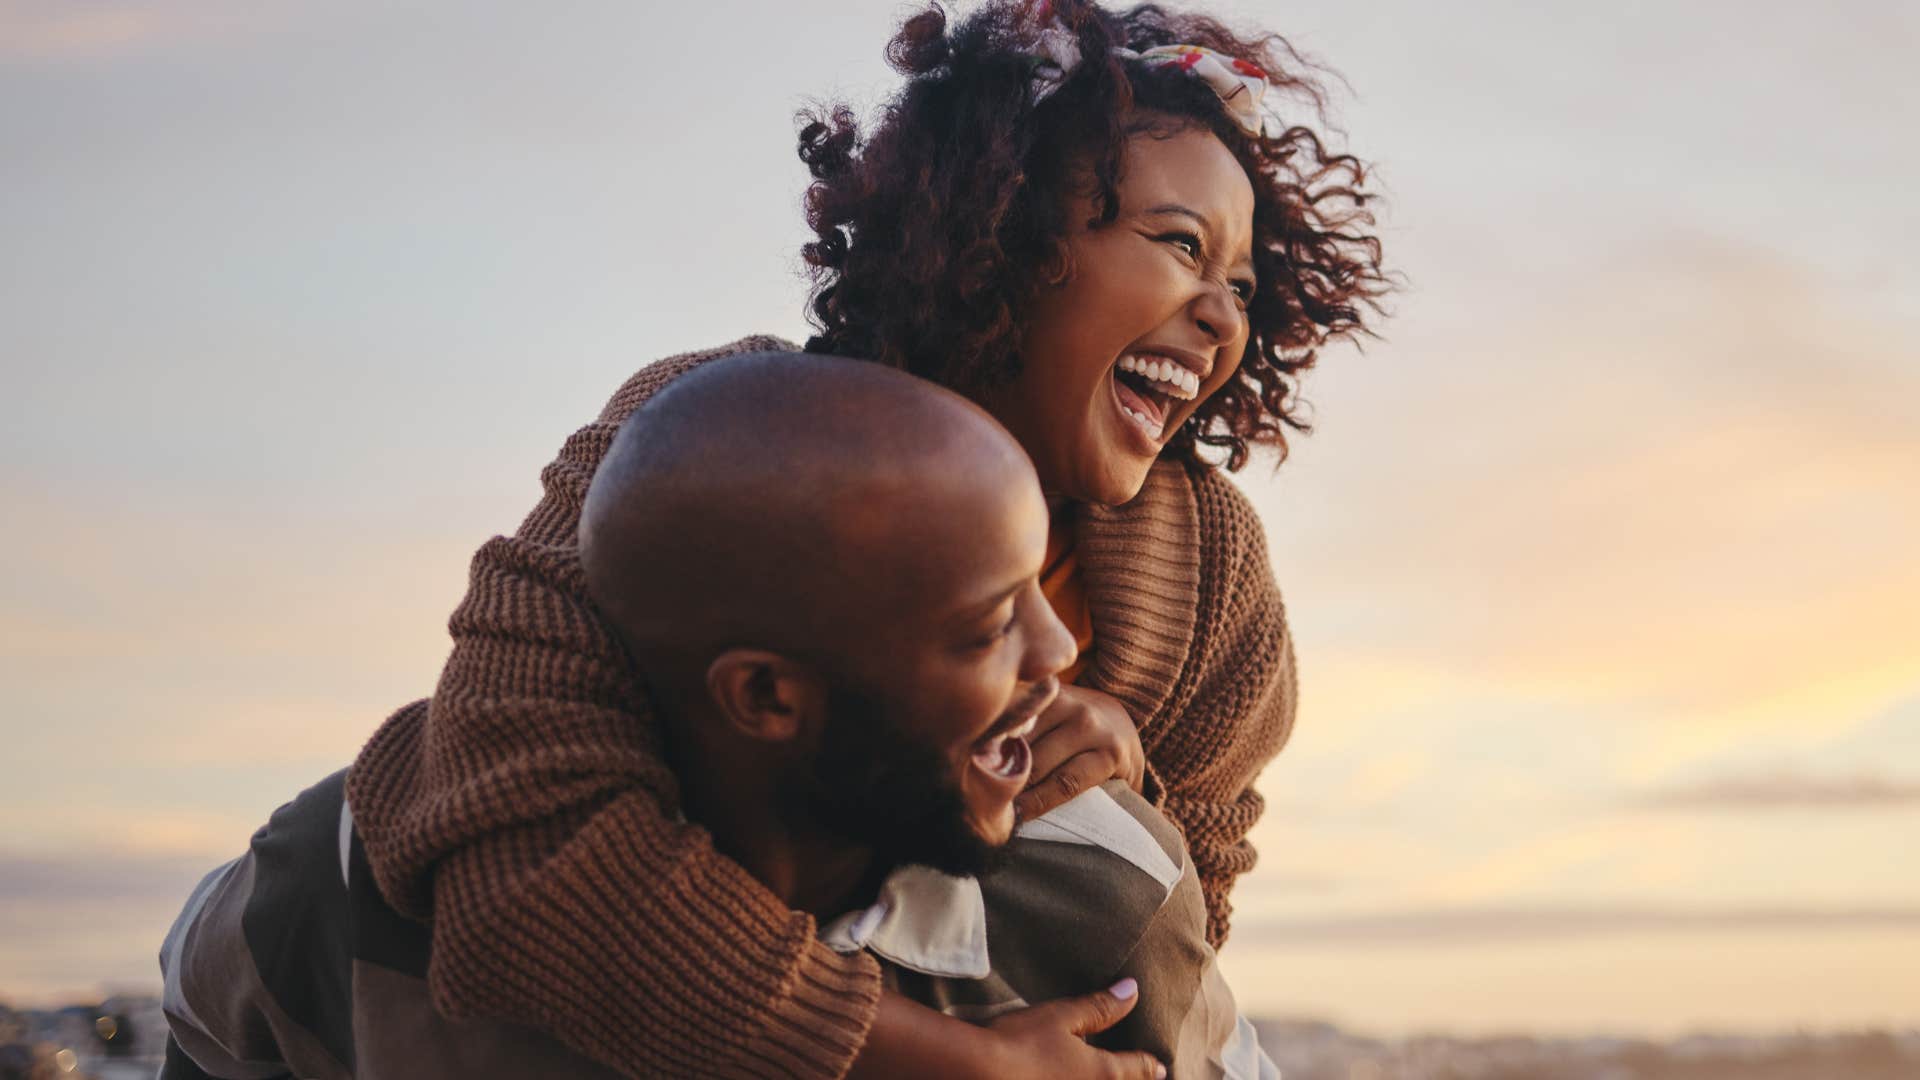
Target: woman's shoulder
{"points": [[1186, 522], [1227, 529], [650, 379]]}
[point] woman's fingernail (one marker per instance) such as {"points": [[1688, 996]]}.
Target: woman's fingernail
{"points": [[1159, 1071], [1125, 989]]}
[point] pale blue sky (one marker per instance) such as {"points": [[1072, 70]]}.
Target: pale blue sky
{"points": [[297, 298]]}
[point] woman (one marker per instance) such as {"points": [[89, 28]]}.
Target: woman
{"points": [[1081, 220]]}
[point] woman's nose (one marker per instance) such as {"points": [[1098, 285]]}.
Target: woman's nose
{"points": [[1217, 314]]}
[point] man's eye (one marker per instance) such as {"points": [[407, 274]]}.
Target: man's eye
{"points": [[1244, 290], [996, 636]]}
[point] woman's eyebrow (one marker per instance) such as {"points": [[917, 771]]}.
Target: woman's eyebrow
{"points": [[1183, 211], [1206, 226]]}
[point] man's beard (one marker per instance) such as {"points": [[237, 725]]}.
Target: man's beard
{"points": [[883, 790]]}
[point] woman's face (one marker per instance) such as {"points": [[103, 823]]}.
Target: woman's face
{"points": [[1149, 325]]}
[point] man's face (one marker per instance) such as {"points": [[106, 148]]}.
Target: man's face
{"points": [[890, 792], [924, 751]]}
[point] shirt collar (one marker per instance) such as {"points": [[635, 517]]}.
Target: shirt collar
{"points": [[923, 920], [936, 924]]}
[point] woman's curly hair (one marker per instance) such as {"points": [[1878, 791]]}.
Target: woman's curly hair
{"points": [[935, 233]]}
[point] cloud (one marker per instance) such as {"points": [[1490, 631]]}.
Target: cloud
{"points": [[1452, 926], [1382, 777], [72, 921], [1674, 481], [1783, 791], [64, 29], [95, 878], [172, 674], [67, 29], [1538, 858]]}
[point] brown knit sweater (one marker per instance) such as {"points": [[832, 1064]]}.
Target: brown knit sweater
{"points": [[527, 810]]}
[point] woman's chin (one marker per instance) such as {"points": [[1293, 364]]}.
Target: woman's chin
{"points": [[1108, 469], [1113, 481]]}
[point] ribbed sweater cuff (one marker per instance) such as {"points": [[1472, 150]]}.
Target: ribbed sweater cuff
{"points": [[819, 1028], [1152, 788]]}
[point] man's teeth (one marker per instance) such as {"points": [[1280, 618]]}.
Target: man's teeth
{"points": [[1013, 753], [1177, 380], [1006, 754]]}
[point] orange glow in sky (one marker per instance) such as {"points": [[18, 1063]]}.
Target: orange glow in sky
{"points": [[1601, 562]]}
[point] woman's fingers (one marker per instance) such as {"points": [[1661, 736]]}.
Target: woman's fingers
{"points": [[1047, 1041], [1069, 737], [1075, 775], [1094, 1013], [1134, 1065], [1091, 1014], [1084, 738]]}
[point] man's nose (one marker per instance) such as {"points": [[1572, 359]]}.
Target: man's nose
{"points": [[1050, 645]]}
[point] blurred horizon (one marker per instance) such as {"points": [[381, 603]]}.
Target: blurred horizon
{"points": [[1600, 561]]}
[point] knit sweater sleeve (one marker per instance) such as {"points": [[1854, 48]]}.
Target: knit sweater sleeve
{"points": [[1242, 702], [527, 811]]}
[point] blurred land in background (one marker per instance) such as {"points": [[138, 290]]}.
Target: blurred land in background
{"points": [[1601, 564], [122, 1037]]}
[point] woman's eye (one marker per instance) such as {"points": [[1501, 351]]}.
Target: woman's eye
{"points": [[1185, 241], [1243, 290]]}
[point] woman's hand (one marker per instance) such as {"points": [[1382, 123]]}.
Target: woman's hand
{"points": [[1084, 738], [1040, 1042], [1050, 1041]]}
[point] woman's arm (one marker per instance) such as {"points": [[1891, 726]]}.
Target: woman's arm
{"points": [[1040, 1042], [527, 810], [1202, 763]]}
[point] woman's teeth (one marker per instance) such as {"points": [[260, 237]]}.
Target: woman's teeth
{"points": [[1152, 427], [1175, 381]]}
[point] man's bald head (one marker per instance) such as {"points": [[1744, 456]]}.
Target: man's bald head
{"points": [[789, 502]]}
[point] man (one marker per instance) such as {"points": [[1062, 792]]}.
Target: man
{"points": [[828, 571]]}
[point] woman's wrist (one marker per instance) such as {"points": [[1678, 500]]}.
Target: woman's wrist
{"points": [[910, 1039]]}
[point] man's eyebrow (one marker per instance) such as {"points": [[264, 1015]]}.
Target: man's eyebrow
{"points": [[984, 608]]}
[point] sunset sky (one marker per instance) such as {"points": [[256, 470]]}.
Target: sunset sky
{"points": [[1603, 562]]}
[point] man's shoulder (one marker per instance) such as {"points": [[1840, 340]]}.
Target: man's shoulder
{"points": [[1121, 822], [258, 963], [1077, 889]]}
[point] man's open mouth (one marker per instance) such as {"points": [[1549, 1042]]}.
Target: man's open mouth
{"points": [[1150, 387], [1005, 753]]}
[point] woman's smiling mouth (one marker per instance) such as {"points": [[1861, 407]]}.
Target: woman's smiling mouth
{"points": [[1148, 388]]}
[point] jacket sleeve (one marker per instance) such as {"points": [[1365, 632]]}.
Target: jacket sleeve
{"points": [[1189, 1020], [218, 1026], [1242, 705], [527, 810]]}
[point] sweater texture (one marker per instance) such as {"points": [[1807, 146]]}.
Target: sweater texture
{"points": [[527, 811]]}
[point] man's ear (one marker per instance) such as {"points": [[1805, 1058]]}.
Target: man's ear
{"points": [[763, 695]]}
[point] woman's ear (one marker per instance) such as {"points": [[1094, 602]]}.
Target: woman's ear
{"points": [[1057, 269], [763, 695]]}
